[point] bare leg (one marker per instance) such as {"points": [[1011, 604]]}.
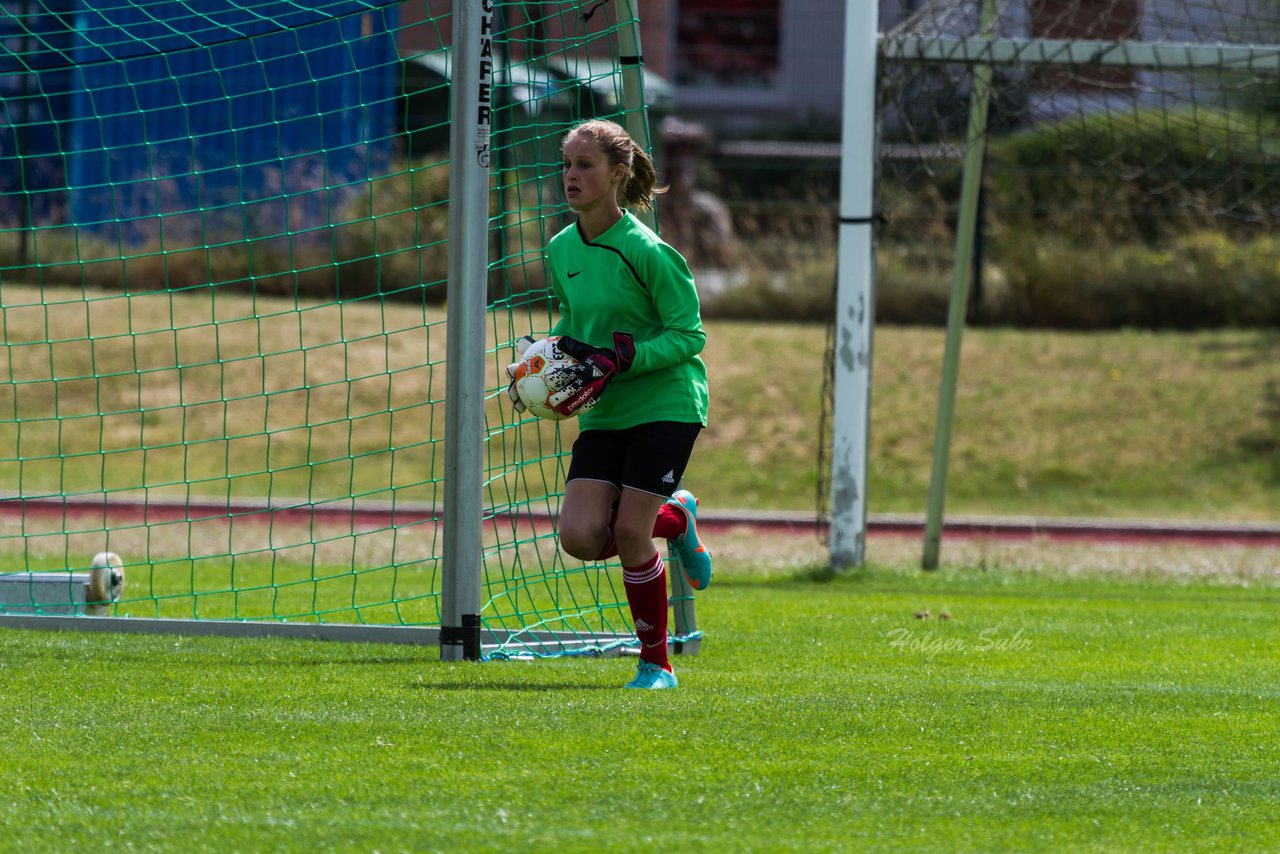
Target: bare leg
{"points": [[584, 517], [634, 526], [588, 512]]}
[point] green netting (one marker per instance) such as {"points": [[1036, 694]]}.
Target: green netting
{"points": [[223, 263]]}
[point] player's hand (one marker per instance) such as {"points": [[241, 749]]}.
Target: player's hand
{"points": [[612, 362], [522, 344], [596, 368]]}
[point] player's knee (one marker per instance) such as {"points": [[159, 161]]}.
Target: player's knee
{"points": [[633, 535], [577, 550], [579, 542]]}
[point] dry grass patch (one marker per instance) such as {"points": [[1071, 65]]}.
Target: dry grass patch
{"points": [[226, 393]]}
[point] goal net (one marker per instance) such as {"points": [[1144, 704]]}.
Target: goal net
{"points": [[223, 270], [1047, 163], [1130, 151]]}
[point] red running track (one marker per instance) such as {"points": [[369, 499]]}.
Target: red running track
{"points": [[121, 511]]}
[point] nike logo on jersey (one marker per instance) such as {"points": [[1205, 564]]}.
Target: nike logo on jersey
{"points": [[579, 273]]}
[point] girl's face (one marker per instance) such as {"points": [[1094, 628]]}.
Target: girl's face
{"points": [[590, 180]]}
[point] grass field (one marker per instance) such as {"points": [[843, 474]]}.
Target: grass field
{"points": [[1053, 710]]}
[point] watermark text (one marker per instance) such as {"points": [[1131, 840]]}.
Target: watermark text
{"points": [[930, 643]]}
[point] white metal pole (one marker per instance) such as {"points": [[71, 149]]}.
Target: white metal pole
{"points": [[855, 300], [471, 85]]}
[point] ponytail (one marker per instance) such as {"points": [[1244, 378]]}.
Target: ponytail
{"points": [[640, 184]]}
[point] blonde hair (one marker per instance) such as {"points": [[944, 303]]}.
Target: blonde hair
{"points": [[640, 184]]}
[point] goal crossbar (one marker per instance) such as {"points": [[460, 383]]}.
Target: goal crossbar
{"points": [[1166, 56]]}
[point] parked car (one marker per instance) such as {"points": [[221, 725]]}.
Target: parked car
{"points": [[535, 100]]}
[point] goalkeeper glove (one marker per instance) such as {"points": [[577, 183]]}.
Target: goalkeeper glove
{"points": [[608, 362], [597, 367], [522, 344]]}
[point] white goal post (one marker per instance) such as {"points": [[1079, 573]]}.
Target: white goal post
{"points": [[855, 300]]}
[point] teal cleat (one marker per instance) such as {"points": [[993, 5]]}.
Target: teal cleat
{"points": [[650, 675], [694, 557]]}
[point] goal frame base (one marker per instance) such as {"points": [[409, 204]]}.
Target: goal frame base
{"points": [[498, 644]]}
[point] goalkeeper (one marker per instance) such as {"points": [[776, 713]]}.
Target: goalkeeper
{"points": [[629, 313]]}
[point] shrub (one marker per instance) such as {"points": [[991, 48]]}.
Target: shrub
{"points": [[389, 241], [1145, 176], [1202, 280], [803, 292], [1154, 219]]}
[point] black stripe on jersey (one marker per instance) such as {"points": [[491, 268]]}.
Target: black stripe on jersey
{"points": [[617, 252]]}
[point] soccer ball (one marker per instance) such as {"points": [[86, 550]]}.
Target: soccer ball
{"points": [[539, 376], [106, 582]]}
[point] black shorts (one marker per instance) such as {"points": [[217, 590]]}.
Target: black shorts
{"points": [[648, 457]]}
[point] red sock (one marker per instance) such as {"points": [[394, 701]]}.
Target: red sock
{"points": [[670, 522], [647, 595]]}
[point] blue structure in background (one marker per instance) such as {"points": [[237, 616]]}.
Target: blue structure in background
{"points": [[207, 121], [34, 109]]}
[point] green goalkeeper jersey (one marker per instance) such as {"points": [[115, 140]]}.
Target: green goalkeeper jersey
{"points": [[629, 280]]}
